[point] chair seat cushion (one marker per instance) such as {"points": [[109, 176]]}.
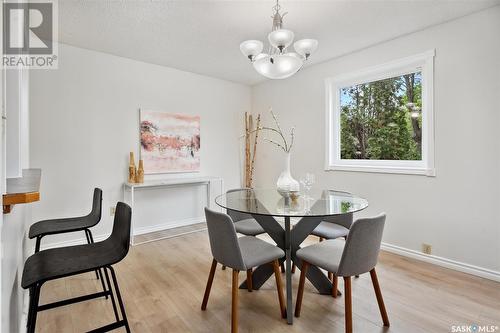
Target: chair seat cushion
{"points": [[256, 252], [248, 227], [330, 230], [56, 226], [326, 254], [65, 261]]}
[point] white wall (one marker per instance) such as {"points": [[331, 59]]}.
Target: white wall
{"points": [[14, 225], [456, 211], [85, 120], [13, 246]]}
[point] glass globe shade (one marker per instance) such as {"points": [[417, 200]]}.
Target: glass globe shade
{"points": [[251, 48], [305, 47], [281, 38], [280, 67]]}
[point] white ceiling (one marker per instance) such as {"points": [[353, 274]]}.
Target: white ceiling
{"points": [[204, 36]]}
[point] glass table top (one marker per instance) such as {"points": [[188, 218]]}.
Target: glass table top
{"points": [[269, 202]]}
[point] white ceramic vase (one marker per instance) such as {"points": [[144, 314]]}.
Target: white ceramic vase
{"points": [[286, 184]]}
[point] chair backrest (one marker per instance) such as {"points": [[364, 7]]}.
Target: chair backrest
{"points": [[362, 246], [344, 220], [223, 240], [238, 216], [120, 235], [95, 214]]}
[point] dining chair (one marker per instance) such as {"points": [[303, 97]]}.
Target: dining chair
{"points": [[240, 254], [244, 223], [67, 261], [333, 227], [359, 255]]}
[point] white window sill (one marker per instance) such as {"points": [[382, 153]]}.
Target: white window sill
{"points": [[384, 169]]}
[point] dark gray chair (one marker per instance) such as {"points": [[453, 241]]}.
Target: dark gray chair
{"points": [[62, 262], [64, 225], [359, 255], [240, 254], [44, 228]]}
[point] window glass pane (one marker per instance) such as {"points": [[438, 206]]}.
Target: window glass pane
{"points": [[382, 120]]}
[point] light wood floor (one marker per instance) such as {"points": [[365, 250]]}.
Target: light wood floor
{"points": [[163, 282]]}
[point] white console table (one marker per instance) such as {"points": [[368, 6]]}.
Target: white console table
{"points": [[130, 191]]}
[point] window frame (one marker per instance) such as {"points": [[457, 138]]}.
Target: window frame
{"points": [[423, 62]]}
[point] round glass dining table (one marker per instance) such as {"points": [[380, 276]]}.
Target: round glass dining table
{"points": [[267, 206]]}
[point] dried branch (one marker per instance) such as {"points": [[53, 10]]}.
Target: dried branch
{"points": [[279, 131], [292, 138], [252, 163], [274, 142], [285, 146]]}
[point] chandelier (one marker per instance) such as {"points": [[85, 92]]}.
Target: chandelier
{"points": [[278, 62]]}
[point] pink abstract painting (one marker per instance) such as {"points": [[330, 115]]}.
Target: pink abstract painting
{"points": [[170, 142]]}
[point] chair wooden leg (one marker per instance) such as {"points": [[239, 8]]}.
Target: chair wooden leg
{"points": [[209, 285], [335, 286], [293, 268], [348, 304], [380, 300], [300, 292], [330, 276], [234, 303], [282, 265], [279, 287], [249, 280]]}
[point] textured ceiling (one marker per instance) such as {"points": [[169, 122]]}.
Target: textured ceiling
{"points": [[204, 36]]}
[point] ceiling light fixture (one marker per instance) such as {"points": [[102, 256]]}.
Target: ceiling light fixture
{"points": [[278, 62]]}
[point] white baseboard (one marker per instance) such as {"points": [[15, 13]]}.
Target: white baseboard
{"points": [[167, 225], [443, 262]]}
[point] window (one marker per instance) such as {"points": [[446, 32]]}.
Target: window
{"points": [[381, 119]]}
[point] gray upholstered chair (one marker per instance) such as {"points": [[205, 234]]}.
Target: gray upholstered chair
{"points": [[359, 255], [334, 227], [244, 223], [240, 254]]}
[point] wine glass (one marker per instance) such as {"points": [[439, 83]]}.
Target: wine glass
{"points": [[307, 181]]}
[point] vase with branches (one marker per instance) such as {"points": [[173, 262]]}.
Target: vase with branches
{"points": [[286, 184]]}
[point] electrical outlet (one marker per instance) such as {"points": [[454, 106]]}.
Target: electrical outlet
{"points": [[112, 211], [426, 248]]}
